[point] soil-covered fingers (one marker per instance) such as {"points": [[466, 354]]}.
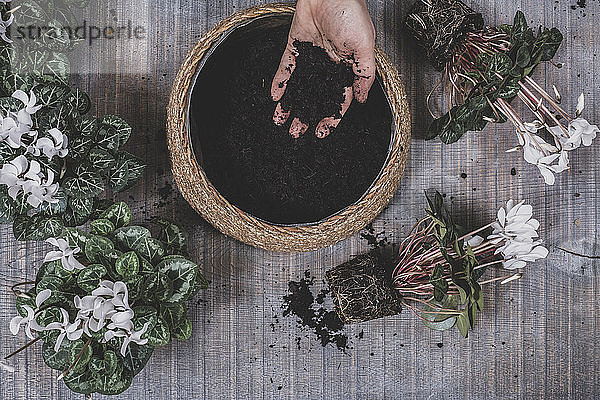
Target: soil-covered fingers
{"points": [[365, 69], [297, 128], [327, 125], [285, 70], [280, 116]]}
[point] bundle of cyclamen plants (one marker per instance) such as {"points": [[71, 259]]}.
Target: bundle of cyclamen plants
{"points": [[438, 270], [55, 159], [104, 300], [484, 69]]}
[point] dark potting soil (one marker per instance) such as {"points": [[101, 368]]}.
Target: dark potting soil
{"points": [[316, 88], [312, 313], [258, 166]]}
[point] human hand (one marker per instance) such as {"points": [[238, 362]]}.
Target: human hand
{"points": [[345, 30]]}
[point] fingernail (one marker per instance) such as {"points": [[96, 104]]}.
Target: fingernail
{"points": [[322, 132]]}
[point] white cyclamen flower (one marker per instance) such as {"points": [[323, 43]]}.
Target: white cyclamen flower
{"points": [[514, 222], [8, 125], [518, 253], [42, 190], [29, 321], [4, 27], [121, 320], [64, 253], [581, 132], [55, 145], [548, 169], [128, 337], [107, 305], [28, 101], [541, 154], [93, 311], [116, 292], [21, 175], [12, 175], [71, 331], [15, 130], [517, 228], [580, 105]]}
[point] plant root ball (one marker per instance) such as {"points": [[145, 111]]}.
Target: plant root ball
{"points": [[361, 288], [439, 25]]}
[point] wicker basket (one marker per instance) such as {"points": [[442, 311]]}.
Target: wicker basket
{"points": [[204, 198]]}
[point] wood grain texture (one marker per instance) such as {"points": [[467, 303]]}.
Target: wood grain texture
{"points": [[536, 339]]}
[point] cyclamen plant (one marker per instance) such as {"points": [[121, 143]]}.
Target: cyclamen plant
{"points": [[104, 300], [437, 271], [485, 68], [55, 159], [440, 269]]}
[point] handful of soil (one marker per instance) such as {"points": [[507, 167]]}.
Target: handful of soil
{"points": [[316, 88], [256, 165], [362, 287]]}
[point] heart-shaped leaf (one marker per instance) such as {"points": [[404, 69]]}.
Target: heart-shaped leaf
{"points": [[96, 248], [102, 227], [90, 277], [173, 314], [144, 315], [107, 138], [128, 264], [136, 357], [76, 237], [118, 175], [100, 159], [119, 214], [173, 236], [87, 126], [159, 335], [182, 273], [130, 237], [150, 248], [87, 184], [37, 227], [67, 355], [183, 331], [121, 127], [80, 101], [115, 383], [106, 365]]}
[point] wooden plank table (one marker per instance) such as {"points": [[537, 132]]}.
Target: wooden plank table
{"points": [[538, 338]]}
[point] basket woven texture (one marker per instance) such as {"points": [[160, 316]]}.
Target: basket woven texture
{"points": [[205, 199]]}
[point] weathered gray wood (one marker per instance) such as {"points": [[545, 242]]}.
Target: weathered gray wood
{"points": [[538, 338]]}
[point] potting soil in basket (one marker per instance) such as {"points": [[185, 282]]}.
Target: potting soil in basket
{"points": [[258, 166]]}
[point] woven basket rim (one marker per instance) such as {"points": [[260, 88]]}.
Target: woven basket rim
{"points": [[229, 219]]}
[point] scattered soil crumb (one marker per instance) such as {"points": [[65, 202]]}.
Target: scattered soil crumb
{"points": [[375, 239], [324, 323]]}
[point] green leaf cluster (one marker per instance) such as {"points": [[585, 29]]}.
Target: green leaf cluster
{"points": [[96, 159], [160, 281], [42, 55], [498, 77], [462, 261]]}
